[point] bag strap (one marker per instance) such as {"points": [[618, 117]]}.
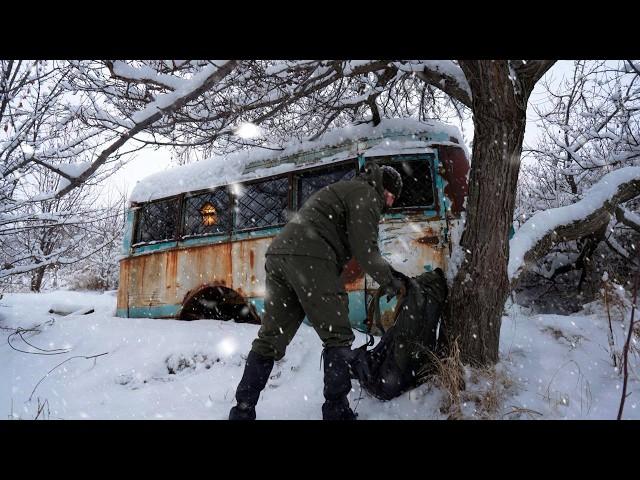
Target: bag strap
{"points": [[373, 310]]}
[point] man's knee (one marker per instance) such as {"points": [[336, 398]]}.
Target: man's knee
{"points": [[337, 337], [268, 348]]}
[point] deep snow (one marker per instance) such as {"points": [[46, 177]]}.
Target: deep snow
{"points": [[556, 367]]}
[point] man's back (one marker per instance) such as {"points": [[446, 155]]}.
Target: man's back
{"points": [[337, 222]]}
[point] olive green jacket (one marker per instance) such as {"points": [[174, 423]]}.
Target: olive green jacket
{"points": [[338, 222]]}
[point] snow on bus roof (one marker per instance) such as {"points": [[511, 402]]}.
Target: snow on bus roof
{"points": [[400, 135]]}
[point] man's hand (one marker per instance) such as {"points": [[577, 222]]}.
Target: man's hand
{"points": [[398, 281]]}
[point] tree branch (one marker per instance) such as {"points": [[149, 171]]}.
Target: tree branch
{"points": [[447, 83], [625, 217], [530, 71], [541, 232], [176, 104]]}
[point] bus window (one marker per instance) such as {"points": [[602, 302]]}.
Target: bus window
{"points": [[417, 183], [207, 213], [263, 204], [157, 221], [311, 182]]}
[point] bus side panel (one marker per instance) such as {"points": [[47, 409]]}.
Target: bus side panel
{"points": [[165, 278], [247, 258], [123, 289], [413, 246], [197, 266], [148, 281], [127, 238]]}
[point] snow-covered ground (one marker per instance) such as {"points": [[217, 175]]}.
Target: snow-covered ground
{"points": [[552, 367]]}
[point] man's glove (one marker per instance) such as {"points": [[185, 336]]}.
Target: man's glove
{"points": [[398, 281]]}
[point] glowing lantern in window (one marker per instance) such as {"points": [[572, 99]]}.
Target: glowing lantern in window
{"points": [[209, 214]]}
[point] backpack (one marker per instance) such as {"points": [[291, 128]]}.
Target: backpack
{"points": [[408, 346]]}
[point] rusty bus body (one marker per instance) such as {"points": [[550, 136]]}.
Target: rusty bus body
{"points": [[220, 274]]}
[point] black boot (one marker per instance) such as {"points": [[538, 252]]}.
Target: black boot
{"points": [[255, 376], [337, 384]]}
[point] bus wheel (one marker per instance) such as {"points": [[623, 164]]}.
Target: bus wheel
{"points": [[218, 303]]}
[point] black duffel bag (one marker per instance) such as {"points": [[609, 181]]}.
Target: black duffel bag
{"points": [[407, 348]]}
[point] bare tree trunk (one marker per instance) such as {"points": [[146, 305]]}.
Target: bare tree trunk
{"points": [[36, 279], [481, 285]]}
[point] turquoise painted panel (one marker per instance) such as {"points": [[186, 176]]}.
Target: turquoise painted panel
{"points": [[439, 181], [206, 240], [265, 232], [128, 232], [157, 311], [258, 303], [155, 247], [357, 310]]}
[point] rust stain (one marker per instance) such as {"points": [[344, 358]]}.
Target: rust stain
{"points": [[171, 270], [123, 285], [248, 265], [352, 276], [169, 277], [429, 240], [430, 236], [456, 167]]}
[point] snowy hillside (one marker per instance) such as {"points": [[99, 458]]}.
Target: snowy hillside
{"points": [[552, 367]]}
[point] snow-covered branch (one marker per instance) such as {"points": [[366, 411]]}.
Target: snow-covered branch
{"points": [[143, 74], [628, 218], [547, 228], [442, 74], [154, 111]]}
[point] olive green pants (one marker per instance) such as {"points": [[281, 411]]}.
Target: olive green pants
{"points": [[299, 285]]}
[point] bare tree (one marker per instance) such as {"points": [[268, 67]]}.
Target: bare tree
{"points": [[500, 92], [55, 135], [591, 126], [51, 234], [307, 97], [198, 105]]}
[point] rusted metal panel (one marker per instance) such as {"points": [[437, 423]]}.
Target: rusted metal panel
{"points": [[148, 280], [353, 276], [414, 243], [123, 285], [203, 265], [455, 169], [167, 277], [248, 258]]}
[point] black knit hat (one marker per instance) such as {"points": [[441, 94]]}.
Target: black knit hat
{"points": [[391, 180]]}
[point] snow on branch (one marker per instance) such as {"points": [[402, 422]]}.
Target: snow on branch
{"points": [[547, 228], [185, 89], [442, 74], [628, 218], [619, 249], [143, 74], [154, 111], [56, 257]]}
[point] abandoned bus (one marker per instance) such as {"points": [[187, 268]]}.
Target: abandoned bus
{"points": [[196, 235]]}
